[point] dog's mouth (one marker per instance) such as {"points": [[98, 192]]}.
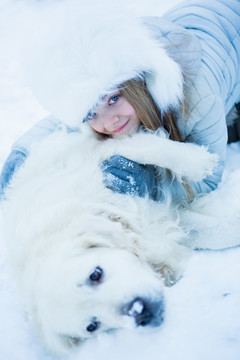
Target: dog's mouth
{"points": [[145, 312]]}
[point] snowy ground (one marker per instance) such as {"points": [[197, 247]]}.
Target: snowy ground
{"points": [[203, 312]]}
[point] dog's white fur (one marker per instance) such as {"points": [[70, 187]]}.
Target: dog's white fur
{"points": [[61, 222]]}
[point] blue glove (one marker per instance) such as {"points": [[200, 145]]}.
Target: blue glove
{"points": [[128, 177]]}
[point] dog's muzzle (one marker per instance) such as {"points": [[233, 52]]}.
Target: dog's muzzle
{"points": [[145, 312]]}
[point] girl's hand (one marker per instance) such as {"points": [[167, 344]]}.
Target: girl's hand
{"points": [[128, 177]]}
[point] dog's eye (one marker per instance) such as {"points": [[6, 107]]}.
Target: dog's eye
{"points": [[93, 326], [96, 275]]}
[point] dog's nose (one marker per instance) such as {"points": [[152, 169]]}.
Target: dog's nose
{"points": [[145, 311]]}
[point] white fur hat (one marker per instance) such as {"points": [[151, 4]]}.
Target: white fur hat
{"points": [[85, 50]]}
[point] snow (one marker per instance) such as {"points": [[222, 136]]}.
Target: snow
{"points": [[202, 319]]}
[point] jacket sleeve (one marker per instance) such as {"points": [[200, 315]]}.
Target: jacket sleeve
{"points": [[38, 132], [205, 125], [203, 122], [21, 148]]}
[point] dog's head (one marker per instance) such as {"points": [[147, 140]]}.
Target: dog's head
{"points": [[95, 290]]}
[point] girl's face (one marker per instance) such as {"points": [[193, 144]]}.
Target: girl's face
{"points": [[115, 116]]}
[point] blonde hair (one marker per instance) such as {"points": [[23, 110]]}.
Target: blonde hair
{"points": [[138, 95]]}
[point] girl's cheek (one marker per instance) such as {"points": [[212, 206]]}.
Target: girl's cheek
{"points": [[91, 123], [97, 127]]}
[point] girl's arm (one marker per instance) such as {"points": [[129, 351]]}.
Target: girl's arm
{"points": [[21, 148], [206, 125]]}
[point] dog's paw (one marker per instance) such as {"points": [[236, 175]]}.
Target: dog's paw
{"points": [[200, 163], [186, 160]]}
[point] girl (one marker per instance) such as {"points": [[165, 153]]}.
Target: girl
{"points": [[179, 72]]}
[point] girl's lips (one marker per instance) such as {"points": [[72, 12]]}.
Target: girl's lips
{"points": [[118, 130]]}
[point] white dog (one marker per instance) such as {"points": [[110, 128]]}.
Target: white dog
{"points": [[88, 260]]}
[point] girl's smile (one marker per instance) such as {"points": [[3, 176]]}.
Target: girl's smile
{"points": [[118, 130]]}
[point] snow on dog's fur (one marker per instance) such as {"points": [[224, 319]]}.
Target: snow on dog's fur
{"points": [[87, 259]]}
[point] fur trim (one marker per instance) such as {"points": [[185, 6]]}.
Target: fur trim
{"points": [[82, 55]]}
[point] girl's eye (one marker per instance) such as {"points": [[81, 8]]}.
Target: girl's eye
{"points": [[113, 99]]}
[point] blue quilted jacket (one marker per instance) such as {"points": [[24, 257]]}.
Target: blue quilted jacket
{"points": [[204, 38], [216, 86]]}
